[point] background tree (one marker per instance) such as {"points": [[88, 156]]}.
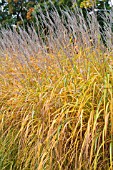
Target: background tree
{"points": [[19, 12], [14, 12]]}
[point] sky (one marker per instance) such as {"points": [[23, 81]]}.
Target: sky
{"points": [[111, 2]]}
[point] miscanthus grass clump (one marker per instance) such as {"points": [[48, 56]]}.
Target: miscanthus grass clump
{"points": [[56, 102]]}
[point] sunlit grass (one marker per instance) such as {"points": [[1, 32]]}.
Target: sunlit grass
{"points": [[57, 112]]}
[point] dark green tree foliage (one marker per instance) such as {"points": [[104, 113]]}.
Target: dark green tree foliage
{"points": [[19, 12], [101, 4], [4, 15], [15, 11], [100, 17]]}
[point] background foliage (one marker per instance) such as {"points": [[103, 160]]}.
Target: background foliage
{"points": [[19, 12]]}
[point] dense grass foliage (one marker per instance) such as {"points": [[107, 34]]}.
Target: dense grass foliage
{"points": [[57, 117], [56, 101]]}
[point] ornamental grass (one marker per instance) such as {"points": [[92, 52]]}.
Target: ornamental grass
{"points": [[58, 117], [56, 105]]}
